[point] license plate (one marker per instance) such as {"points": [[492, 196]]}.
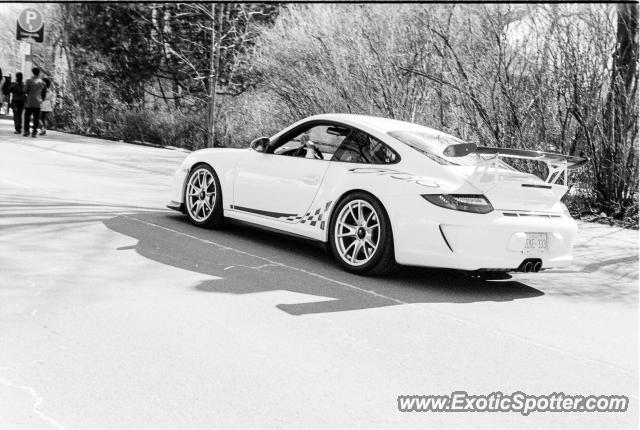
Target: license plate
{"points": [[536, 242]]}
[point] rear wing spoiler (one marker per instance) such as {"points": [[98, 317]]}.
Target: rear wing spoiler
{"points": [[558, 164]]}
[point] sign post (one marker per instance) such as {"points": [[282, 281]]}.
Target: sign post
{"points": [[29, 29], [27, 63]]}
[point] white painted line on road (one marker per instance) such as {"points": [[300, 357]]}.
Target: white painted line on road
{"points": [[38, 400], [399, 302]]}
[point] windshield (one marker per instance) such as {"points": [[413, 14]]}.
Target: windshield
{"points": [[433, 145]]}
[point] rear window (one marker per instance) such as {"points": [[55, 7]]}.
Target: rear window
{"points": [[432, 145]]}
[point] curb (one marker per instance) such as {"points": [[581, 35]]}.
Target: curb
{"points": [[113, 139]]}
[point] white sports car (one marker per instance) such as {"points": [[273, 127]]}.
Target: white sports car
{"points": [[381, 192]]}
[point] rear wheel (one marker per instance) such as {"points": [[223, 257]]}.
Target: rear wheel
{"points": [[360, 236], [203, 197]]}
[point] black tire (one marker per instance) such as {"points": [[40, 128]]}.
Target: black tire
{"points": [[214, 218], [382, 260]]}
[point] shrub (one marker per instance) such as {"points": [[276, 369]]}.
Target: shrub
{"points": [[185, 130]]}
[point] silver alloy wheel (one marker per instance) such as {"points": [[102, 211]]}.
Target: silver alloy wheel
{"points": [[357, 232], [201, 195]]}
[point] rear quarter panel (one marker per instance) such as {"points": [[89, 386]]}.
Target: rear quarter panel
{"points": [[383, 182]]}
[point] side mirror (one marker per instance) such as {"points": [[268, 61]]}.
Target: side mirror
{"points": [[260, 144]]}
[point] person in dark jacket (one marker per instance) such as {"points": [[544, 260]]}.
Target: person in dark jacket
{"points": [[2, 96], [34, 91], [18, 98]]}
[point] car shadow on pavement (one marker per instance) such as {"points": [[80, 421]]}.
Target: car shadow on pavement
{"points": [[250, 260]]}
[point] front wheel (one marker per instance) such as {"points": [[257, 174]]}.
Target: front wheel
{"points": [[360, 236], [203, 197]]}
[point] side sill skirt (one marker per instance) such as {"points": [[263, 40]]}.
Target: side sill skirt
{"points": [[271, 229]]}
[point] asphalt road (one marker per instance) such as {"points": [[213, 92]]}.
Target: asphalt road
{"points": [[118, 314]]}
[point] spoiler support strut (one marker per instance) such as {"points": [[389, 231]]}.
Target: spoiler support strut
{"points": [[558, 164]]}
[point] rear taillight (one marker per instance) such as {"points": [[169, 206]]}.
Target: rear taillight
{"points": [[475, 203]]}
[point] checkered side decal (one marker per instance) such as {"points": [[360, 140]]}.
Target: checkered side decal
{"points": [[313, 217]]}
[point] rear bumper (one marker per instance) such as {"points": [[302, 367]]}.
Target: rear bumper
{"points": [[500, 243], [426, 235]]}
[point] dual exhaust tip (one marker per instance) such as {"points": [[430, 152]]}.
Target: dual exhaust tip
{"points": [[530, 265]]}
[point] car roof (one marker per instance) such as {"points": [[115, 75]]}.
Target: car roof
{"points": [[382, 125]]}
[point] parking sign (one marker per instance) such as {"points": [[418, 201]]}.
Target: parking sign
{"points": [[30, 25]]}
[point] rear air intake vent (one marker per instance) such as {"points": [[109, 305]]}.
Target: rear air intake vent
{"points": [[522, 214], [548, 187]]}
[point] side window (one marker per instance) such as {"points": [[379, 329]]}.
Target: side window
{"points": [[319, 142], [359, 147]]}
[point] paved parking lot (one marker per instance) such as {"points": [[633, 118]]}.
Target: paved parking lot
{"points": [[117, 313]]}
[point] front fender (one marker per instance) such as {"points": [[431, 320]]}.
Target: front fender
{"points": [[222, 160]]}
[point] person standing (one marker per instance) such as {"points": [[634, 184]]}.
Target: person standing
{"points": [[18, 98], [46, 107], [34, 90], [5, 93], [2, 96]]}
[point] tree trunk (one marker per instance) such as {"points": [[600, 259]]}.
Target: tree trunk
{"points": [[212, 80], [620, 120]]}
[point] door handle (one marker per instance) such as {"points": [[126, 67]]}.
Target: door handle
{"points": [[311, 179]]}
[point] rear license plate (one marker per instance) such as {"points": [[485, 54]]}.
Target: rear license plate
{"points": [[536, 242]]}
